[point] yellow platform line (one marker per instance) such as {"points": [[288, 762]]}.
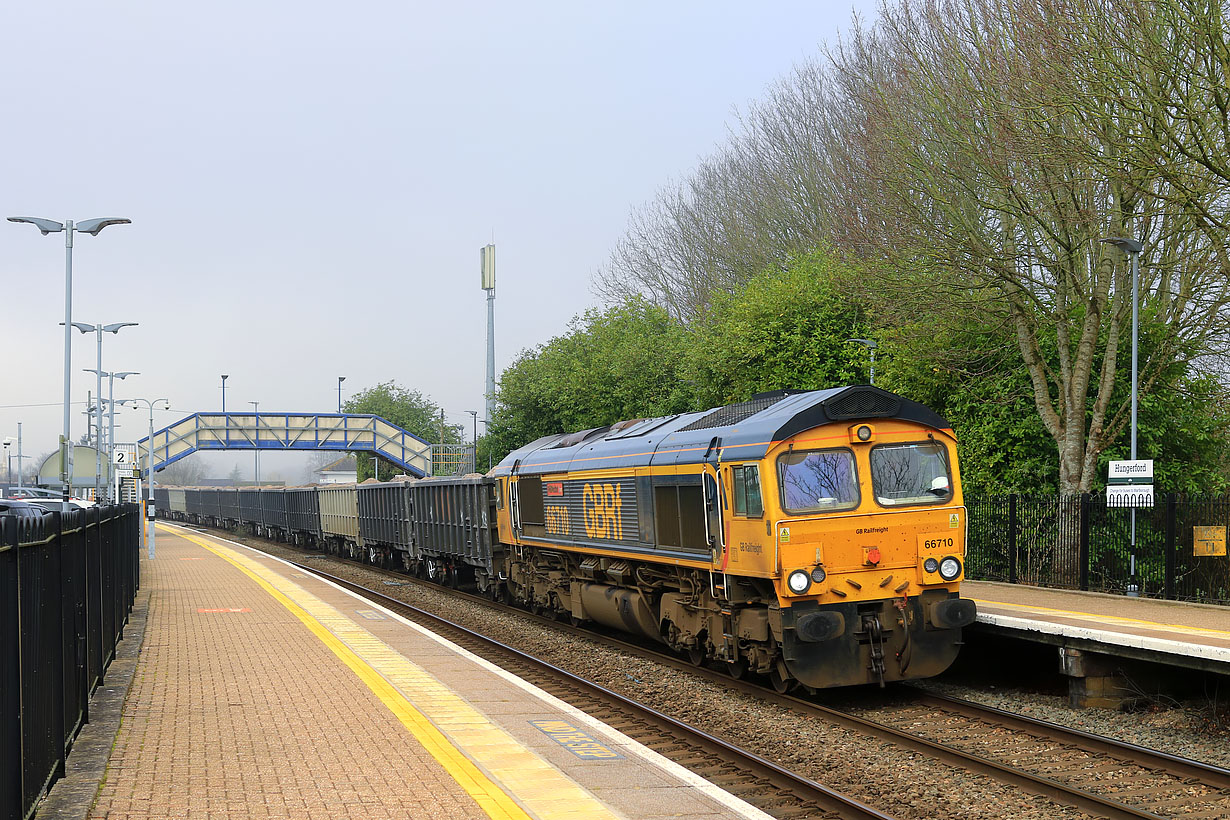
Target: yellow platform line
{"points": [[450, 729], [1114, 618]]}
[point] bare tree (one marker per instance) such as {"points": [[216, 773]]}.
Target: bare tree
{"points": [[970, 155], [999, 173], [187, 472]]}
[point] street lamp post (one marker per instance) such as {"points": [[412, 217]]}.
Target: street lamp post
{"points": [[487, 263], [8, 476], [100, 330], [256, 441], [111, 377], [225, 376], [20, 458], [474, 413], [92, 227], [149, 465], [871, 345], [1132, 247], [340, 379]]}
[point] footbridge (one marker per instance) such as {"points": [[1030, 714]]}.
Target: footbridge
{"points": [[347, 432]]}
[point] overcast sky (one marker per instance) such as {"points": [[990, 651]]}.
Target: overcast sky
{"points": [[309, 183]]}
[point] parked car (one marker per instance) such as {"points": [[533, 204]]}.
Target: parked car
{"points": [[39, 494], [19, 508], [32, 492], [54, 504]]}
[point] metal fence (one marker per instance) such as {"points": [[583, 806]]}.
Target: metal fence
{"points": [[452, 459], [65, 594], [1078, 542]]}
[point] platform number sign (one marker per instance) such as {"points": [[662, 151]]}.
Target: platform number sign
{"points": [[1208, 541], [124, 457]]}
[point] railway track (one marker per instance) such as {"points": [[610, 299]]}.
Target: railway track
{"points": [[762, 783], [1100, 776]]}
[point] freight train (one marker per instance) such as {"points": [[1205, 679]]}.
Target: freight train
{"points": [[813, 537]]}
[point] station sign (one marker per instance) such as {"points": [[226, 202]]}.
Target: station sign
{"points": [[1129, 495], [124, 455], [1135, 471]]}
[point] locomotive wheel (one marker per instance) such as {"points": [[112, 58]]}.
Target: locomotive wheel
{"points": [[737, 669], [696, 656], [781, 684]]}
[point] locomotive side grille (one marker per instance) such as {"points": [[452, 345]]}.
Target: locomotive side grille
{"points": [[732, 413], [861, 404]]}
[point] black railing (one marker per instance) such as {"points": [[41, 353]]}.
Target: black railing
{"points": [[1078, 542], [65, 594]]}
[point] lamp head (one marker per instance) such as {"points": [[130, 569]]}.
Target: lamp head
{"points": [[870, 344], [126, 374], [93, 226], [45, 226], [83, 327], [115, 328], [1125, 244]]}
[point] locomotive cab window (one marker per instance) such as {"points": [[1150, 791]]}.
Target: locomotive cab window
{"points": [[913, 473], [746, 480], [818, 481]]}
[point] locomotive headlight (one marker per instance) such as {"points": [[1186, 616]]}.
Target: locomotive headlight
{"points": [[950, 568], [799, 581], [931, 565], [818, 575], [864, 433]]}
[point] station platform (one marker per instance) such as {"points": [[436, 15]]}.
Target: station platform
{"points": [[1196, 636], [264, 692], [1096, 633]]}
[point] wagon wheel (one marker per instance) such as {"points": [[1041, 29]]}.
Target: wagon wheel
{"points": [[781, 684], [696, 656], [737, 669]]}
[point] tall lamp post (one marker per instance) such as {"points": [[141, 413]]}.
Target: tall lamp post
{"points": [[871, 345], [256, 442], [149, 465], [92, 227], [340, 379], [20, 458], [474, 413], [225, 376], [8, 476], [100, 330], [111, 377], [487, 263], [1132, 247]]}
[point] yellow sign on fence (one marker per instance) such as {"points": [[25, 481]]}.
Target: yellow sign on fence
{"points": [[1208, 541]]}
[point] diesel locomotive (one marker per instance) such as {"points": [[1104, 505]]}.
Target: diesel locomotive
{"points": [[816, 537]]}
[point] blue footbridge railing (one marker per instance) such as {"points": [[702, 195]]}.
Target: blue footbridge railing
{"points": [[346, 432]]}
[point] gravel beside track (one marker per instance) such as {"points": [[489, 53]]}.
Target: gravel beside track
{"points": [[894, 780], [1185, 729]]}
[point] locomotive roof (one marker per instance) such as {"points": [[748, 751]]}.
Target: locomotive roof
{"points": [[744, 431]]}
